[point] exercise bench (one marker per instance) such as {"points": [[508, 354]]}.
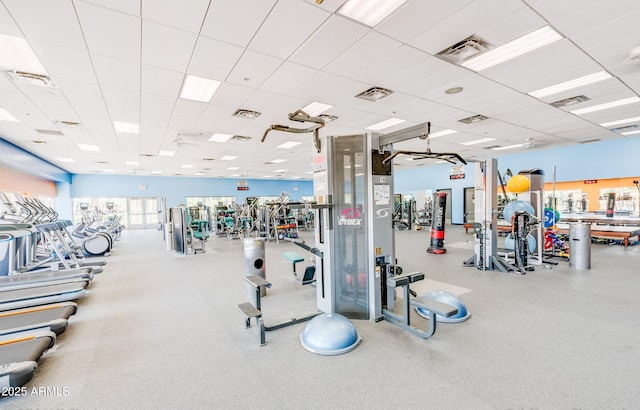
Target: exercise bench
{"points": [[432, 306], [293, 258]]}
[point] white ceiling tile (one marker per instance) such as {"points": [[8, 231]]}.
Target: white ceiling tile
{"points": [[236, 22], [126, 6], [63, 62], [300, 19], [187, 108], [588, 16], [275, 104], [157, 104], [55, 21], [214, 59], [123, 105], [112, 72], [511, 27], [79, 93], [159, 41], [334, 37], [253, 69], [184, 14], [8, 26], [289, 78], [418, 16], [98, 29], [161, 81], [392, 64], [232, 95]]}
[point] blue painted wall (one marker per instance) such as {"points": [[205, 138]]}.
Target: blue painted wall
{"points": [[176, 189], [598, 160], [16, 158]]}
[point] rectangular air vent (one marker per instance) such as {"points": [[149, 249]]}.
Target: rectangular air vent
{"points": [[252, 115], [70, 124], [570, 101], [375, 93], [626, 128], [242, 138], [49, 132], [473, 119], [464, 50], [590, 141], [23, 77]]}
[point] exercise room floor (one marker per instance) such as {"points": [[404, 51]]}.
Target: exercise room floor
{"points": [[163, 332]]}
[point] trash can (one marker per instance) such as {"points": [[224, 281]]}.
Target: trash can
{"points": [[254, 264], [580, 245]]}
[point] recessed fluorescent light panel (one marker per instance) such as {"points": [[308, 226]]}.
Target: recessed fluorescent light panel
{"points": [[166, 153], [568, 85], [132, 163], [186, 166], [5, 116], [508, 147], [369, 12], [608, 105], [630, 132], [107, 170], [198, 88], [280, 171], [156, 172], [233, 168], [442, 133], [275, 161], [525, 44], [385, 124], [16, 55], [199, 173], [217, 137], [289, 144], [89, 147], [315, 108], [618, 122], [480, 141], [126, 127], [228, 157], [66, 159]]}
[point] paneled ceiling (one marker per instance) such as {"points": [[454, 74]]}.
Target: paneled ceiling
{"points": [[126, 60]]}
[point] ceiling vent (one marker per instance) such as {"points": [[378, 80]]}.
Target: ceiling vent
{"points": [[49, 132], [327, 117], [70, 124], [242, 138], [465, 49], [252, 115], [208, 159], [375, 93], [590, 141], [473, 119], [147, 155], [23, 77], [626, 128], [39, 142], [570, 101]]}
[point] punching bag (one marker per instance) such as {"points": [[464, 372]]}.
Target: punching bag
{"points": [[611, 204], [437, 224]]}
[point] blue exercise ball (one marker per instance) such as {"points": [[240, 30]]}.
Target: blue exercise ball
{"points": [[330, 334], [509, 243], [450, 299], [513, 207]]}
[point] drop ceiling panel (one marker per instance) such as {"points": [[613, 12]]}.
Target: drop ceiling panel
{"points": [[362, 55], [396, 61], [160, 41], [50, 21], [231, 95], [7, 25], [329, 41], [319, 86], [112, 72], [65, 63], [214, 59], [236, 22], [127, 6], [418, 16], [98, 30], [123, 105], [513, 26], [424, 76], [161, 81], [157, 104], [556, 10], [217, 114], [288, 79], [187, 108], [595, 14], [184, 14], [253, 69], [53, 105]]}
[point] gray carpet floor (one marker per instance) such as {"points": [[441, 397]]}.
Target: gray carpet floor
{"points": [[158, 331]]}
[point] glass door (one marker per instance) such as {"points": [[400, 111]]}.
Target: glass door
{"points": [[143, 213]]}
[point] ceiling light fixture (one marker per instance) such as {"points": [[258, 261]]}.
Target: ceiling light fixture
{"points": [[156, 172], [107, 170], [612, 104], [89, 147], [442, 133], [508, 147], [568, 85], [199, 173], [66, 159], [618, 122], [228, 157], [233, 168], [187, 166], [520, 46], [166, 153], [217, 137], [132, 163], [289, 144], [369, 12], [5, 116], [275, 161], [198, 88], [126, 127], [479, 141], [630, 132], [315, 108], [385, 124], [16, 55]]}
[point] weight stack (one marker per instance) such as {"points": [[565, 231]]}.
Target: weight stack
{"points": [[437, 225]]}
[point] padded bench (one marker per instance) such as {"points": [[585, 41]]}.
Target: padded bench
{"points": [[293, 258]]}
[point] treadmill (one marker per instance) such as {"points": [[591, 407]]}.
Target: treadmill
{"points": [[52, 317], [19, 353], [47, 276], [41, 295]]}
